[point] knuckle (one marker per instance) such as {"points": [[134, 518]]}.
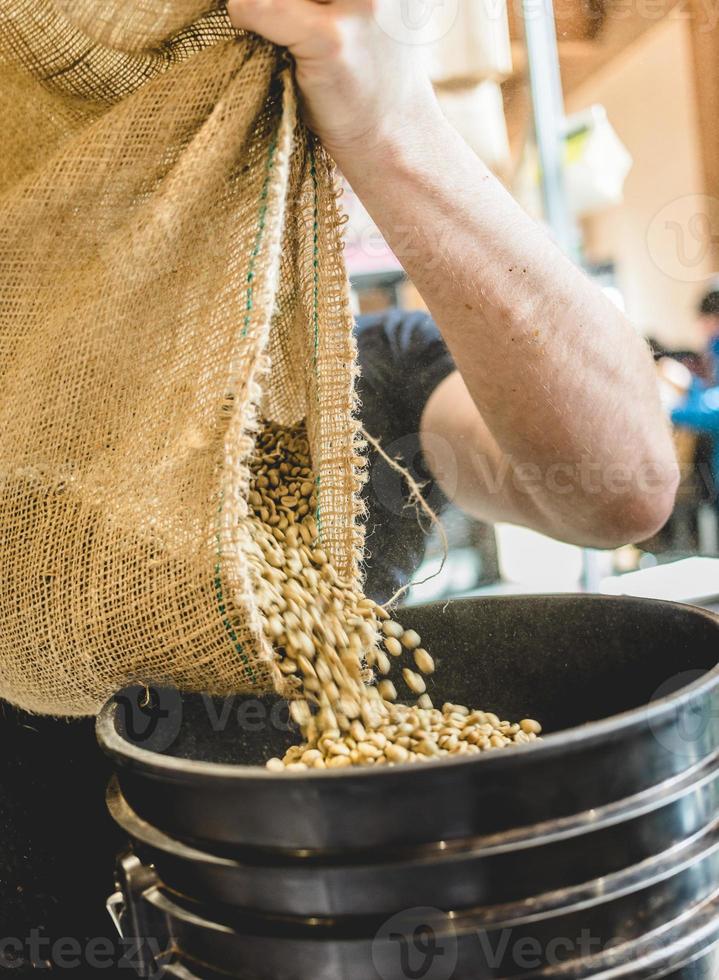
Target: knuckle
{"points": [[236, 10], [332, 44], [246, 13], [244, 8]]}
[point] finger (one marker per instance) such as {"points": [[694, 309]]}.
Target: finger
{"points": [[285, 22]]}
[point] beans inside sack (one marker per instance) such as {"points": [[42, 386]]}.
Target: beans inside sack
{"points": [[335, 647]]}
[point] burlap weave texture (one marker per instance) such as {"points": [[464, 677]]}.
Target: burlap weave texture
{"points": [[170, 269]]}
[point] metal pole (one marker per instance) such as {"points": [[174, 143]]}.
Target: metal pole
{"points": [[549, 125], [549, 120]]}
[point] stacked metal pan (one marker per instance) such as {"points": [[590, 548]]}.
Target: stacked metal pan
{"points": [[594, 853]]}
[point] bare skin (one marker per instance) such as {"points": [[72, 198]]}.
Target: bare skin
{"points": [[553, 418]]}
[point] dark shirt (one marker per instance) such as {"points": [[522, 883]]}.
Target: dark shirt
{"points": [[402, 359]]}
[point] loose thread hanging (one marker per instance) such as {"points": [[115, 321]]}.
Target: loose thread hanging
{"points": [[417, 497]]}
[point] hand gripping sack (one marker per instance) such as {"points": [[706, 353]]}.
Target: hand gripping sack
{"points": [[170, 273]]}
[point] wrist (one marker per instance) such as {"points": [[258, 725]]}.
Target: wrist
{"points": [[392, 135]]}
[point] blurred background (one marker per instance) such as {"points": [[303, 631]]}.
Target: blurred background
{"points": [[602, 118]]}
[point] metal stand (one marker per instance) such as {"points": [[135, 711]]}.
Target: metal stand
{"points": [[144, 933], [549, 125], [549, 120]]}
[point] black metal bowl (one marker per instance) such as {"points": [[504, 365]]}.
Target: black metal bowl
{"points": [[704, 966], [628, 691], [644, 935], [501, 870]]}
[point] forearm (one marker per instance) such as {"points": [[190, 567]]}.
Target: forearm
{"points": [[555, 374], [556, 371]]}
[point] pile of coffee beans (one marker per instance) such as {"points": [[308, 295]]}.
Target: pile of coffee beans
{"points": [[334, 646]]}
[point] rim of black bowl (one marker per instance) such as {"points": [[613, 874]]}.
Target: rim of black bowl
{"points": [[127, 752]]}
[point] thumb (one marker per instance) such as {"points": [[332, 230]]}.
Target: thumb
{"points": [[289, 23]]}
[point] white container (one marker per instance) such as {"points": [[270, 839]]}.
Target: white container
{"points": [[475, 47], [478, 114], [533, 561]]}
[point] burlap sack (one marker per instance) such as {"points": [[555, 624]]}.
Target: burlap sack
{"points": [[170, 268]]}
